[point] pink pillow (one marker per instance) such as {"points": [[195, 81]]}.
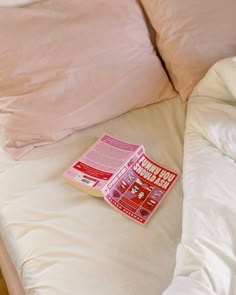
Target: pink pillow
{"points": [[192, 35], [66, 65]]}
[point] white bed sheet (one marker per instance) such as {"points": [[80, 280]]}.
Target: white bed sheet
{"points": [[62, 241]]}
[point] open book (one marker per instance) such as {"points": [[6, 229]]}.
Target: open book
{"points": [[123, 175]]}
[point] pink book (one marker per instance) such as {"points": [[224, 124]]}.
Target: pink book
{"points": [[123, 175]]}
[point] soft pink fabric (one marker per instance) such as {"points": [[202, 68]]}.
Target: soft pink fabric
{"points": [[65, 65], [192, 35]]}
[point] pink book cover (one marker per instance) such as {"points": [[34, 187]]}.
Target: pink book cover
{"points": [[124, 175]]}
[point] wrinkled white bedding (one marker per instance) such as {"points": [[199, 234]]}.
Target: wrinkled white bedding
{"points": [[206, 257], [17, 3], [64, 242]]}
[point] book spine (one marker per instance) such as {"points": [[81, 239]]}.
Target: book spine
{"points": [[117, 176]]}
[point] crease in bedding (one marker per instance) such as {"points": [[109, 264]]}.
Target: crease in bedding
{"points": [[206, 255]]}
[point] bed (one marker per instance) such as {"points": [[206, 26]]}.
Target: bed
{"points": [[61, 241], [77, 69]]}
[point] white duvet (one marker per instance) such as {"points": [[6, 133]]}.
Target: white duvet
{"points": [[206, 257]]}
